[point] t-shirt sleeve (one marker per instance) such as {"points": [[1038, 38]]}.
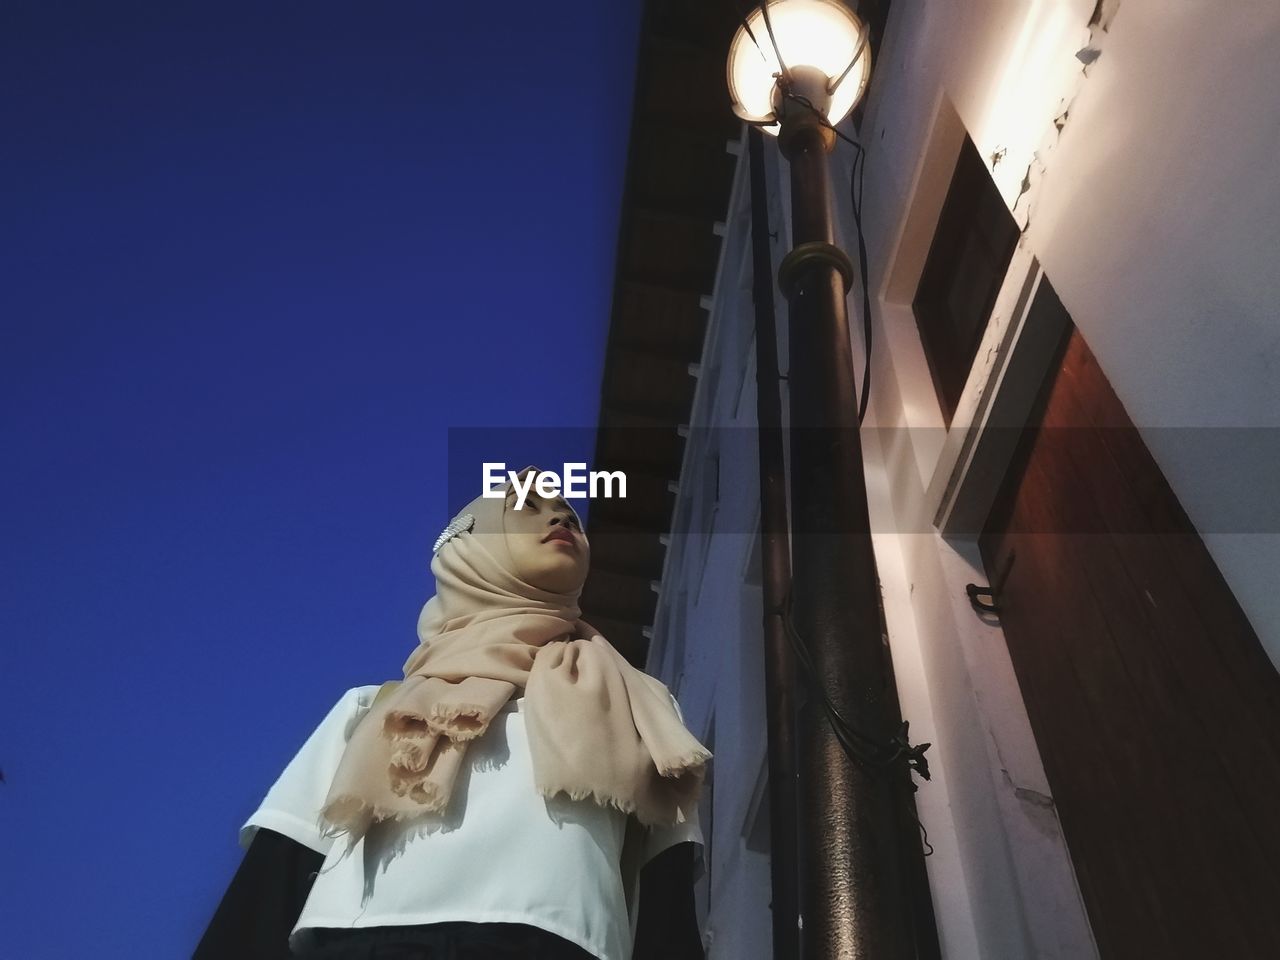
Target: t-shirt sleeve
{"points": [[292, 805], [658, 839], [262, 902]]}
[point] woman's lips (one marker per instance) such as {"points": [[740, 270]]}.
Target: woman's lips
{"points": [[560, 536]]}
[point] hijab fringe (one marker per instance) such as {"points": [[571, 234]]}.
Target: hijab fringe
{"points": [[341, 816], [457, 721], [603, 799], [694, 760]]}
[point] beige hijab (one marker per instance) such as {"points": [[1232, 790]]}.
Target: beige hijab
{"points": [[598, 728]]}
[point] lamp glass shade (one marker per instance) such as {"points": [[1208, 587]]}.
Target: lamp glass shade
{"points": [[820, 34]]}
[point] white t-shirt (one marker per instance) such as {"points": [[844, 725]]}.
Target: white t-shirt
{"points": [[501, 853]]}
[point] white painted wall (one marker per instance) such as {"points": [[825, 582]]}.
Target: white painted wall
{"points": [[717, 674]]}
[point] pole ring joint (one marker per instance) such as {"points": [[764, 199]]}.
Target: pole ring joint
{"points": [[806, 254]]}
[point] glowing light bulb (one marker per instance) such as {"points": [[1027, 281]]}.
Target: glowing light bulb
{"points": [[824, 47]]}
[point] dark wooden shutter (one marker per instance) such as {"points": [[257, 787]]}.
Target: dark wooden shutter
{"points": [[1155, 708]]}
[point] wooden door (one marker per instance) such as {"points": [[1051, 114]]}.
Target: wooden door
{"points": [[1155, 708]]}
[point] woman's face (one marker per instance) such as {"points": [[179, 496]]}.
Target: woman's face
{"points": [[546, 544]]}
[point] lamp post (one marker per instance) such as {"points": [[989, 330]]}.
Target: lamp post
{"points": [[797, 67]]}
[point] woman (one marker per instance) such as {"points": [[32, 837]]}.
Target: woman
{"points": [[501, 800]]}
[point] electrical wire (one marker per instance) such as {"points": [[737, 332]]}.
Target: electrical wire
{"points": [[855, 199], [879, 757], [869, 752]]}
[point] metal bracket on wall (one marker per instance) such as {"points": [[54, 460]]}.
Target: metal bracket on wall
{"points": [[976, 592]]}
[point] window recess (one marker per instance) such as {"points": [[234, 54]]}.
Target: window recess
{"points": [[962, 275]]}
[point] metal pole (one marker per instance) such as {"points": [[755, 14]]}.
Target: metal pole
{"points": [[779, 662], [852, 852]]}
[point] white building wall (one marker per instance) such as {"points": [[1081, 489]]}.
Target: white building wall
{"points": [[716, 669], [1138, 153]]}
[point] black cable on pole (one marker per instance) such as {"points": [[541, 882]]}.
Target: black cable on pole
{"points": [[879, 756], [855, 197], [870, 752]]}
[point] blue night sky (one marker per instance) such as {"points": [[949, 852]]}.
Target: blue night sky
{"points": [[259, 257]]}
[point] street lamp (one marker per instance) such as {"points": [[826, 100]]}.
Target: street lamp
{"points": [[795, 69], [825, 59]]}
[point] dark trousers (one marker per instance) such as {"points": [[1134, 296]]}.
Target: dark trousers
{"points": [[444, 941]]}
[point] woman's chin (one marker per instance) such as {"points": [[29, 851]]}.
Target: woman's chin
{"points": [[563, 577]]}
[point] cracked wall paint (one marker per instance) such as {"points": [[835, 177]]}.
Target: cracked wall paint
{"points": [[1041, 158]]}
